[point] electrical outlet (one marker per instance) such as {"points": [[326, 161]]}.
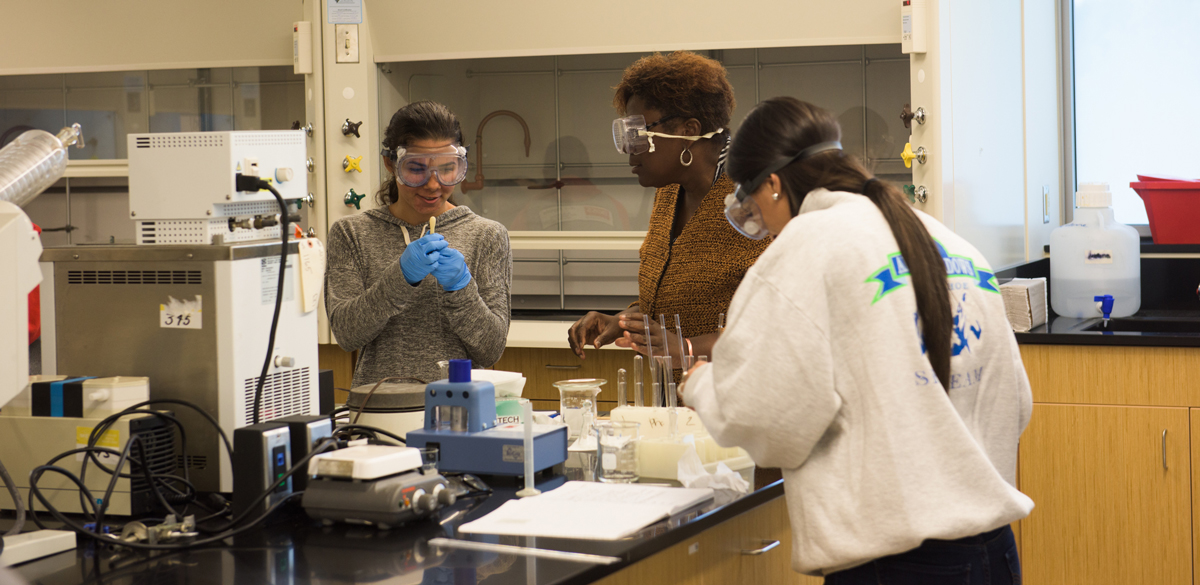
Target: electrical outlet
{"points": [[347, 42]]}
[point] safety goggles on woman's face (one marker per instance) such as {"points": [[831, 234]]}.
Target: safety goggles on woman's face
{"points": [[632, 135], [743, 211], [415, 168]]}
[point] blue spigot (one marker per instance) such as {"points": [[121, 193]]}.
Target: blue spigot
{"points": [[1105, 304]]}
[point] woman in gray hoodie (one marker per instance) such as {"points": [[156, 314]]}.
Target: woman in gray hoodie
{"points": [[419, 279]]}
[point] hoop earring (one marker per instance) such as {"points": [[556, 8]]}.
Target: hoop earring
{"points": [[691, 157]]}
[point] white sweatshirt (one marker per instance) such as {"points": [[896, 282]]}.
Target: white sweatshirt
{"points": [[821, 371]]}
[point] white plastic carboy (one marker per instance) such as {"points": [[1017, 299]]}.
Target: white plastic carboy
{"points": [[1095, 262]]}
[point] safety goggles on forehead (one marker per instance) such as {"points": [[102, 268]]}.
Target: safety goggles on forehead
{"points": [[632, 135], [415, 168], [743, 211]]}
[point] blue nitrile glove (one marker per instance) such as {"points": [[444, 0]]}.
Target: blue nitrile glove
{"points": [[451, 271], [421, 257]]}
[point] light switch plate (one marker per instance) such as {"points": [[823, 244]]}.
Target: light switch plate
{"points": [[347, 42], [1045, 204]]}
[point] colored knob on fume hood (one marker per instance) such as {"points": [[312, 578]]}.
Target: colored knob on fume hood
{"points": [[908, 155], [351, 164], [353, 199], [349, 128]]}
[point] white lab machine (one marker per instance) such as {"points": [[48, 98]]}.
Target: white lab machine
{"points": [[32, 162], [181, 184], [190, 306]]}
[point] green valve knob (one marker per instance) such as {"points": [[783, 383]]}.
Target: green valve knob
{"points": [[309, 199], [911, 192], [353, 199]]}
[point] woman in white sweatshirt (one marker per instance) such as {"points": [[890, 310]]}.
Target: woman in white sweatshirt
{"points": [[868, 355]]}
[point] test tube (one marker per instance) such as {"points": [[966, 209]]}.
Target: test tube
{"points": [[620, 387], [720, 322], [671, 401], [654, 369], [638, 398], [684, 363]]}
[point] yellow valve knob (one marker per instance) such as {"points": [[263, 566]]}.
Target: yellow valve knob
{"points": [[351, 164], [908, 155]]}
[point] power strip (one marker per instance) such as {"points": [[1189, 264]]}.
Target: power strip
{"points": [[35, 545]]}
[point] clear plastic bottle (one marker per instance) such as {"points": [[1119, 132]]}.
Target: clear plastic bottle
{"points": [[33, 162], [1095, 256]]}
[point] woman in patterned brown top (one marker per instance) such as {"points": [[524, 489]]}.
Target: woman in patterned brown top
{"points": [[692, 260]]}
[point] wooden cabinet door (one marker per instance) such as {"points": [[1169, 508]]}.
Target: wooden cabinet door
{"points": [[543, 367], [766, 531], [1195, 419], [1112, 493]]}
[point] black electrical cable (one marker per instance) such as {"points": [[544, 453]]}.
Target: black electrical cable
{"points": [[227, 532], [17, 503], [216, 425], [98, 432], [355, 427], [302, 464], [242, 181]]}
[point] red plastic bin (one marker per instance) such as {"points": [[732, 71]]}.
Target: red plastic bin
{"points": [[1173, 206]]}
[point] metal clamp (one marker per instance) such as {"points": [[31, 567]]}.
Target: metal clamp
{"points": [[770, 544], [1164, 449]]}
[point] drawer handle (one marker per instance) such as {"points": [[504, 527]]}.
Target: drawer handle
{"points": [[553, 367], [1164, 449], [770, 544]]}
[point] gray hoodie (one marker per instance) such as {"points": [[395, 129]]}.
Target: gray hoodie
{"points": [[403, 330]]}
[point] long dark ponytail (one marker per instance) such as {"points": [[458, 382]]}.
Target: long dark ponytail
{"points": [[779, 128], [423, 120]]}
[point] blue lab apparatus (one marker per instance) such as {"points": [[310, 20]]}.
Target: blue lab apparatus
{"points": [[460, 420]]}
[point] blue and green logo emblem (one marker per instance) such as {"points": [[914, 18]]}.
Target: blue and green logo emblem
{"points": [[894, 276]]}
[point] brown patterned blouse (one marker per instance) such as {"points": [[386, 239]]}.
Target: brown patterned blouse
{"points": [[698, 274]]}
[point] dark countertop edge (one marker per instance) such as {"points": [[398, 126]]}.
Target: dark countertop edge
{"points": [[1115, 340], [675, 536]]}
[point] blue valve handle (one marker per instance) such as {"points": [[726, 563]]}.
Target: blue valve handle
{"points": [[1105, 304]]}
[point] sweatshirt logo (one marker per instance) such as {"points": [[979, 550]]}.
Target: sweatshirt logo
{"points": [[892, 277]]}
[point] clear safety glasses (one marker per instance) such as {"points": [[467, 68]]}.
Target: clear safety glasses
{"points": [[743, 211], [631, 134], [415, 168]]}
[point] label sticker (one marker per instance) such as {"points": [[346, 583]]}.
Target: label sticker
{"points": [[1099, 257], [312, 272], [111, 439], [513, 454], [344, 11], [180, 314], [269, 280], [906, 24]]}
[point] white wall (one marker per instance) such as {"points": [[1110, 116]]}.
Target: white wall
{"points": [[1043, 136], [990, 91], [60, 36], [511, 28]]}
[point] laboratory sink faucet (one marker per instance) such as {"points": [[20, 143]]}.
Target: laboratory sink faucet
{"points": [[477, 184]]}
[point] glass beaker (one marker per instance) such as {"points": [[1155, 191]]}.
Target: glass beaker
{"points": [[575, 398], [616, 448]]}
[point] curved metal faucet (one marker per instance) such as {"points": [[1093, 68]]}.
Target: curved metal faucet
{"points": [[477, 184]]}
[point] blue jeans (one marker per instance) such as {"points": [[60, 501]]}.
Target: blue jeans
{"points": [[985, 559]]}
